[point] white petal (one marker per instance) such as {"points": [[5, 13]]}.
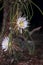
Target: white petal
{"points": [[21, 19], [24, 22], [25, 25], [5, 43]]}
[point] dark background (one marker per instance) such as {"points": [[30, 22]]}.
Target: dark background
{"points": [[37, 19], [1, 15]]}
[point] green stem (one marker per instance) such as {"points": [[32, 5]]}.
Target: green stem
{"points": [[28, 12], [31, 10], [1, 8], [22, 5], [33, 50]]}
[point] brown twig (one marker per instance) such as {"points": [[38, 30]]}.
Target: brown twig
{"points": [[34, 30]]}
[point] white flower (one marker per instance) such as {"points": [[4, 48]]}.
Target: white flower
{"points": [[22, 23], [5, 43]]}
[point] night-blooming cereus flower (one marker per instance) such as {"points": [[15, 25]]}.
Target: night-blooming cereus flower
{"points": [[22, 23], [5, 43]]}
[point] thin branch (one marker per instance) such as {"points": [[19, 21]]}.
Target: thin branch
{"points": [[34, 30]]}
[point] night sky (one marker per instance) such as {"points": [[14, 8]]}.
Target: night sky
{"points": [[1, 15], [37, 19]]}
